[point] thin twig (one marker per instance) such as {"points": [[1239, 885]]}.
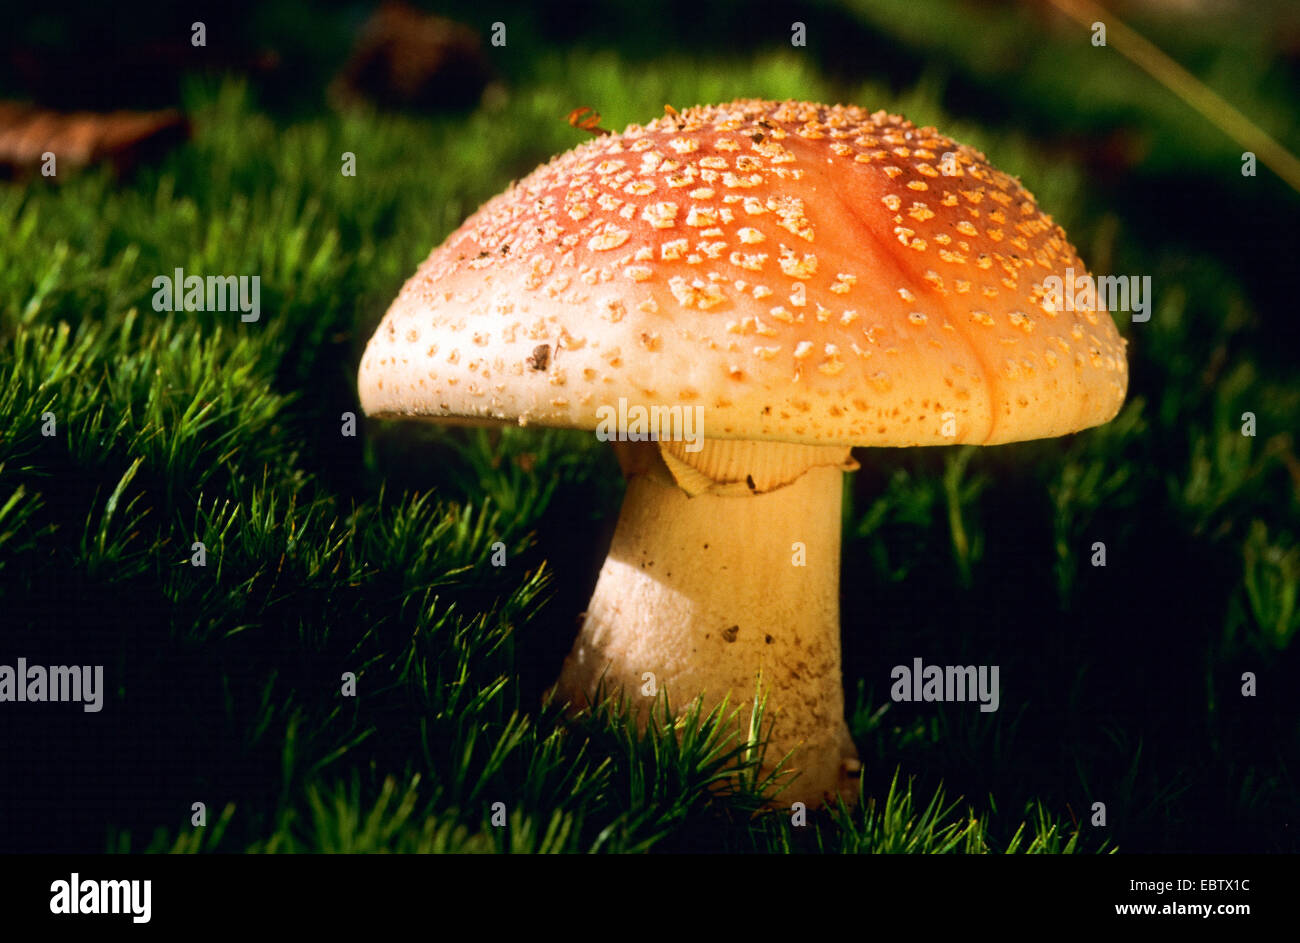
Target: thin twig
{"points": [[1146, 56]]}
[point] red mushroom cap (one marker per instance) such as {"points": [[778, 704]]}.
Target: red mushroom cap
{"points": [[804, 273]]}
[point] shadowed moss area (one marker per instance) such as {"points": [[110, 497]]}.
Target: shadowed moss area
{"points": [[372, 554]]}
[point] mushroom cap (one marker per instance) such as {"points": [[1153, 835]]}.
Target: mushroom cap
{"points": [[804, 273]]}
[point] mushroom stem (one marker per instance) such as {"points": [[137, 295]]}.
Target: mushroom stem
{"points": [[713, 592]]}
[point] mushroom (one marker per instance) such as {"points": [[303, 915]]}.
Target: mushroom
{"points": [[800, 279]]}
